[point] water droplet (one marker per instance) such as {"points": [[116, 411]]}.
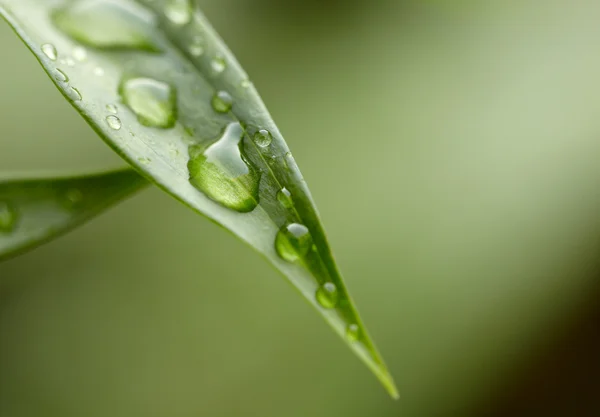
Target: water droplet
{"points": [[8, 217], [222, 172], [111, 108], [61, 76], [98, 71], [153, 102], [352, 332], [79, 53], [222, 102], [293, 242], [263, 138], [74, 94], [285, 198], [50, 51], [72, 197], [218, 64], [196, 50], [107, 24], [179, 12], [246, 83], [69, 62], [327, 295], [114, 122], [143, 160]]}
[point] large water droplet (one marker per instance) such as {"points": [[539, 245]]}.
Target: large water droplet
{"points": [[222, 172], [222, 102], [113, 122], [327, 295], [293, 242], [61, 76], [153, 102], [50, 51], [352, 332], [179, 12], [263, 138], [107, 24], [8, 217], [285, 198], [74, 94]]}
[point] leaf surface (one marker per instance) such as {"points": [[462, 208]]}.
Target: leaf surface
{"points": [[160, 87], [37, 210]]}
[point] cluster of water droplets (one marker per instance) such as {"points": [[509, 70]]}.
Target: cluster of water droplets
{"points": [[221, 170]]}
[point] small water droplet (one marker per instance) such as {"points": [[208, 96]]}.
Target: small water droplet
{"points": [[222, 102], [113, 122], [153, 102], [246, 83], [223, 173], [179, 12], [98, 71], [79, 53], [61, 76], [72, 197], [143, 160], [285, 198], [111, 108], [218, 64], [8, 217], [50, 51], [293, 242], [107, 24], [69, 62], [327, 295], [352, 332], [263, 138], [196, 50], [75, 94]]}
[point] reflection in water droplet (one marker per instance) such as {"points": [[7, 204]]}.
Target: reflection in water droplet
{"points": [[263, 138], [50, 51], [72, 198], [218, 64], [107, 24], [79, 53], [111, 108], [153, 102], [285, 198], [179, 12], [327, 295], [352, 332], [222, 102], [8, 217], [293, 241], [222, 172], [114, 122], [61, 76]]}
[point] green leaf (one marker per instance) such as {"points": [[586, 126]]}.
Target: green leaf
{"points": [[161, 88], [34, 211]]}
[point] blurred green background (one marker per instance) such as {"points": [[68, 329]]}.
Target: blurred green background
{"points": [[452, 148]]}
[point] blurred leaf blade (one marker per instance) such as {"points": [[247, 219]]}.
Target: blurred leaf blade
{"points": [[161, 88], [37, 210]]}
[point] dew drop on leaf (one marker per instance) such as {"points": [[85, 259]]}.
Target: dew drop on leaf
{"points": [[218, 64], [179, 12], [327, 295], [8, 217], [222, 172], [263, 138], [74, 94], [79, 53], [107, 24], [352, 332], [71, 198], [50, 51], [153, 102], [221, 102], [113, 122], [285, 198], [61, 76], [196, 50], [293, 242], [111, 108]]}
